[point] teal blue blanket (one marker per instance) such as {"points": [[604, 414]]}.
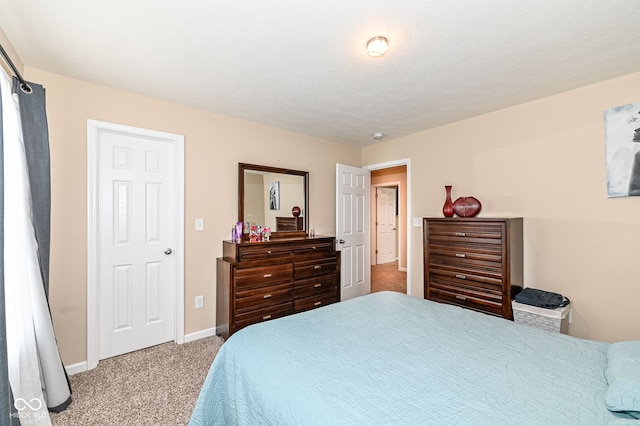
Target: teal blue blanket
{"points": [[392, 359]]}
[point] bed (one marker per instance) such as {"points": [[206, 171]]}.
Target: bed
{"points": [[388, 358]]}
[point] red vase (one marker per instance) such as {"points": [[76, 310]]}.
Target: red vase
{"points": [[447, 209], [295, 211]]}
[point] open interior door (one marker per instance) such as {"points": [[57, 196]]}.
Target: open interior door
{"points": [[352, 230]]}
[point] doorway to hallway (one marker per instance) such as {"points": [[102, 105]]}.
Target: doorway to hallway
{"points": [[389, 273]]}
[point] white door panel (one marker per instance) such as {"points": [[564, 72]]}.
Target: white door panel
{"points": [[352, 229], [136, 223]]}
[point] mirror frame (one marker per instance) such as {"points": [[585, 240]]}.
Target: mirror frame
{"points": [[245, 166]]}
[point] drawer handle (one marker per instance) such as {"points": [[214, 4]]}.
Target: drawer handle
{"points": [[267, 275], [268, 251], [461, 234], [462, 277], [313, 247], [317, 304], [317, 267], [266, 317], [460, 297], [318, 285], [266, 296], [461, 255]]}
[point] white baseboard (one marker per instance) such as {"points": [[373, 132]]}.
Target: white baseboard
{"points": [[207, 332], [76, 368]]}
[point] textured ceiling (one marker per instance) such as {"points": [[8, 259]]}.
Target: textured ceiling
{"points": [[302, 65]]}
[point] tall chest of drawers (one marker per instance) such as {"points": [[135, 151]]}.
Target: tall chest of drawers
{"points": [[259, 281], [473, 262]]}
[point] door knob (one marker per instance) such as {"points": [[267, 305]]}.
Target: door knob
{"points": [[340, 241], [168, 251]]}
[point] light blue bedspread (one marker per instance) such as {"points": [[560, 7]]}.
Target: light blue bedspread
{"points": [[392, 359]]}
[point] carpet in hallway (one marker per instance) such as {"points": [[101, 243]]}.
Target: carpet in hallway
{"points": [[387, 277]]}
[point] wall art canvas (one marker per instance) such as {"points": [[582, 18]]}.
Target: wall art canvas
{"points": [[274, 195], [622, 142]]}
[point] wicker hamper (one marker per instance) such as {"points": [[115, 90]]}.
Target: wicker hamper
{"points": [[556, 320]]}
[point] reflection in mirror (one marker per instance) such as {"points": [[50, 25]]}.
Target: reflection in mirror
{"points": [[267, 196]]}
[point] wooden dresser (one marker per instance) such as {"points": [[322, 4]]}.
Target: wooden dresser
{"points": [[259, 281], [473, 262]]}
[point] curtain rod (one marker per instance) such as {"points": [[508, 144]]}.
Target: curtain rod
{"points": [[23, 83]]}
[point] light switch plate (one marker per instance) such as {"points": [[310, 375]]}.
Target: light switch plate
{"points": [[199, 224], [417, 221], [199, 302]]}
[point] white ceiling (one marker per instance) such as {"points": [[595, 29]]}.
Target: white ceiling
{"points": [[302, 65]]}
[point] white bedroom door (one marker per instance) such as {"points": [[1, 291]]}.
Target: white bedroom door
{"points": [[136, 242], [352, 230], [386, 225]]}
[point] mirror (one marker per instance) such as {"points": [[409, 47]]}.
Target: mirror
{"points": [[267, 195]]}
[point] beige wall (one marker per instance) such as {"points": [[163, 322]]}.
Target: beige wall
{"points": [[214, 144], [391, 176], [544, 161]]}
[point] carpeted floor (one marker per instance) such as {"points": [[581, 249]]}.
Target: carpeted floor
{"points": [[387, 277], [153, 386]]}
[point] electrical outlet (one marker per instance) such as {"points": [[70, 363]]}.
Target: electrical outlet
{"points": [[199, 224], [199, 302], [417, 221]]}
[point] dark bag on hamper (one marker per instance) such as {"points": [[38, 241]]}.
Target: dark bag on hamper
{"points": [[541, 298]]}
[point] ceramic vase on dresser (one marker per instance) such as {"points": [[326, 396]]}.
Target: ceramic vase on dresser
{"points": [[447, 209]]}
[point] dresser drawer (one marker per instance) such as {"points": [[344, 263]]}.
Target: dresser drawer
{"points": [[466, 265], [479, 305], [265, 314], [263, 297], [301, 305], [314, 268], [282, 252], [468, 297], [472, 288], [315, 286], [263, 276], [460, 274], [466, 233], [314, 249], [462, 250]]}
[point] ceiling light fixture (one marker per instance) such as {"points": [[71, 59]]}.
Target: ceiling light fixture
{"points": [[377, 46], [378, 135]]}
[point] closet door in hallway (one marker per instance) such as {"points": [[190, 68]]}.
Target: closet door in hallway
{"points": [[385, 225]]}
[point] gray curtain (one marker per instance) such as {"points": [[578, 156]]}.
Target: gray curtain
{"points": [[35, 134]]}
